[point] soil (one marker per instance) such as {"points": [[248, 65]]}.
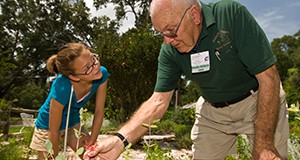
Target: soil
{"points": [[137, 152]]}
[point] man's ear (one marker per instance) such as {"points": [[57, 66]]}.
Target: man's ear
{"points": [[73, 78], [196, 15]]}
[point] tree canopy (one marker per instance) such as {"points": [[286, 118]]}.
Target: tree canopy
{"points": [[287, 50], [33, 30], [139, 8]]}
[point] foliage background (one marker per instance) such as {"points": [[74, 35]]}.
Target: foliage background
{"points": [[32, 30]]}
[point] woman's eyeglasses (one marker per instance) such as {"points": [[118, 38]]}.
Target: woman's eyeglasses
{"points": [[90, 68]]}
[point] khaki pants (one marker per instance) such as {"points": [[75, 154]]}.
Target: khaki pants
{"points": [[41, 135], [215, 131]]}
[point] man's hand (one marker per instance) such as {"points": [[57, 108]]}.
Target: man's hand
{"points": [[266, 154], [109, 148], [154, 108]]}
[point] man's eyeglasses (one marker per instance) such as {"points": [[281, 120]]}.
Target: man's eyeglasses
{"points": [[173, 34], [90, 68]]}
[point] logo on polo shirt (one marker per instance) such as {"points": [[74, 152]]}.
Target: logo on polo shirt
{"points": [[222, 39]]}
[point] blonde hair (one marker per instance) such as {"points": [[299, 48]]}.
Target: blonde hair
{"points": [[62, 62]]}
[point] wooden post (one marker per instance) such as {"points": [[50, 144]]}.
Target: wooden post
{"points": [[5, 120], [177, 93], [6, 126]]}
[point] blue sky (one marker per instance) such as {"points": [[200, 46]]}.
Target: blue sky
{"points": [[277, 18]]}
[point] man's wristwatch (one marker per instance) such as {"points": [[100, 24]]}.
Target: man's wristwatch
{"points": [[123, 139]]}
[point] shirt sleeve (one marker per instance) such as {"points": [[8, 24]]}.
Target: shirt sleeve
{"points": [[168, 71], [105, 74], [61, 89], [253, 47]]}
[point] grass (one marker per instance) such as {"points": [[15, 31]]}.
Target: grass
{"points": [[16, 144]]}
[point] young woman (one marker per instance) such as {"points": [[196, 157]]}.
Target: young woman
{"points": [[79, 69]]}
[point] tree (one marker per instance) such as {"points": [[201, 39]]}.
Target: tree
{"points": [[291, 86], [29, 96], [6, 67], [34, 29], [31, 31], [139, 8], [132, 62], [287, 50], [189, 93]]}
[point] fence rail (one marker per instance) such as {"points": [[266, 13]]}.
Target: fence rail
{"points": [[22, 110], [5, 123]]}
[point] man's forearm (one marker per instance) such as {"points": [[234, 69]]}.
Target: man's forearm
{"points": [[267, 108], [266, 118], [153, 109]]}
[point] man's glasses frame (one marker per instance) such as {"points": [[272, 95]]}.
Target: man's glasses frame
{"points": [[173, 34], [91, 67]]}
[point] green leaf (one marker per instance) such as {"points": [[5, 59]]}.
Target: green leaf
{"points": [[293, 109], [152, 145], [79, 151], [146, 125], [153, 126], [59, 157], [128, 146], [49, 146], [127, 157], [156, 121], [77, 134]]}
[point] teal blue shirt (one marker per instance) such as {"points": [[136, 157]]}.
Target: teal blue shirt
{"points": [[238, 50], [60, 91]]}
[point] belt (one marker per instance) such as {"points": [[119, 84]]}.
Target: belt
{"points": [[235, 100]]}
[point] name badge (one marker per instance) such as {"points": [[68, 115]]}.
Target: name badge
{"points": [[200, 62]]}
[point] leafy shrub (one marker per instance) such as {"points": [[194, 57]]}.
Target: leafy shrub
{"points": [[294, 119], [152, 148], [181, 116], [155, 152], [294, 149], [183, 134], [109, 126], [243, 150], [17, 146], [11, 150], [166, 126], [179, 122]]}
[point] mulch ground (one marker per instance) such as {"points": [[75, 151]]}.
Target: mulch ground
{"points": [[137, 152]]}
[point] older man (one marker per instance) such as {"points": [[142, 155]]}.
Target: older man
{"points": [[223, 50]]}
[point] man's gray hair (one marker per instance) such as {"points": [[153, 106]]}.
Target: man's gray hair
{"points": [[174, 3]]}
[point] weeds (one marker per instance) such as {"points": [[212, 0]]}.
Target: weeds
{"points": [[243, 149], [152, 149], [17, 145], [294, 149], [294, 141]]}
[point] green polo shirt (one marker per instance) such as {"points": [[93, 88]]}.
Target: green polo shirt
{"points": [[237, 47]]}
